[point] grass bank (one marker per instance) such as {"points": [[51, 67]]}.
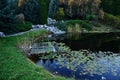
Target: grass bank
{"points": [[86, 26], [15, 66]]}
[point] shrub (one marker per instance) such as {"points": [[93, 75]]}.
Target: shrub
{"points": [[69, 29], [74, 28], [83, 23], [7, 28], [96, 24], [75, 25], [61, 25], [91, 17], [88, 17], [23, 26], [77, 28], [44, 7], [7, 21], [111, 20]]}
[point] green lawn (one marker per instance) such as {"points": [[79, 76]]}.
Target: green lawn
{"points": [[15, 66]]}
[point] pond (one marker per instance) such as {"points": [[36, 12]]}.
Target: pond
{"points": [[97, 65], [91, 41], [109, 74]]}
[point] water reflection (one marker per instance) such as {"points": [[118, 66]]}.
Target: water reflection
{"points": [[91, 41], [55, 68], [111, 69], [74, 36], [102, 66]]}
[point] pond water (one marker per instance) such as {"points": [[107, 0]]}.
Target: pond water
{"points": [[99, 68], [91, 41], [56, 69]]}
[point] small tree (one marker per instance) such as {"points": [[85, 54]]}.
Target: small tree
{"points": [[59, 15]]}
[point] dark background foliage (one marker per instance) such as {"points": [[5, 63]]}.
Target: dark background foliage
{"points": [[34, 11], [111, 6], [37, 11]]}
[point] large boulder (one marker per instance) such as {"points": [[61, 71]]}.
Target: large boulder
{"points": [[51, 21]]}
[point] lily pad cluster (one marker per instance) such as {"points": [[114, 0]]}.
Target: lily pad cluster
{"points": [[86, 61]]}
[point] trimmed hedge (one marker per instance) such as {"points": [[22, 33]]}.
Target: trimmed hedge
{"points": [[83, 23], [72, 23]]}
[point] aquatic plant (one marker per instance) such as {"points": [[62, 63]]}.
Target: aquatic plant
{"points": [[89, 63]]}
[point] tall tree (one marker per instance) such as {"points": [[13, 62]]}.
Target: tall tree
{"points": [[30, 9], [116, 7], [7, 18], [53, 7], [75, 8], [44, 7]]}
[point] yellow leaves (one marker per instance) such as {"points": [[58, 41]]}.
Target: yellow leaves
{"points": [[101, 14], [59, 15], [61, 10], [27, 0], [62, 1], [70, 2], [20, 3]]}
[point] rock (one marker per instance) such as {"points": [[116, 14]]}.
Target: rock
{"points": [[2, 34], [51, 21], [49, 27]]}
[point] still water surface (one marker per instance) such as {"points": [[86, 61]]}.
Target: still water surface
{"points": [[95, 42], [91, 41]]}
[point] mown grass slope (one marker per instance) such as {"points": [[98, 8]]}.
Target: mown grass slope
{"points": [[15, 66]]}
